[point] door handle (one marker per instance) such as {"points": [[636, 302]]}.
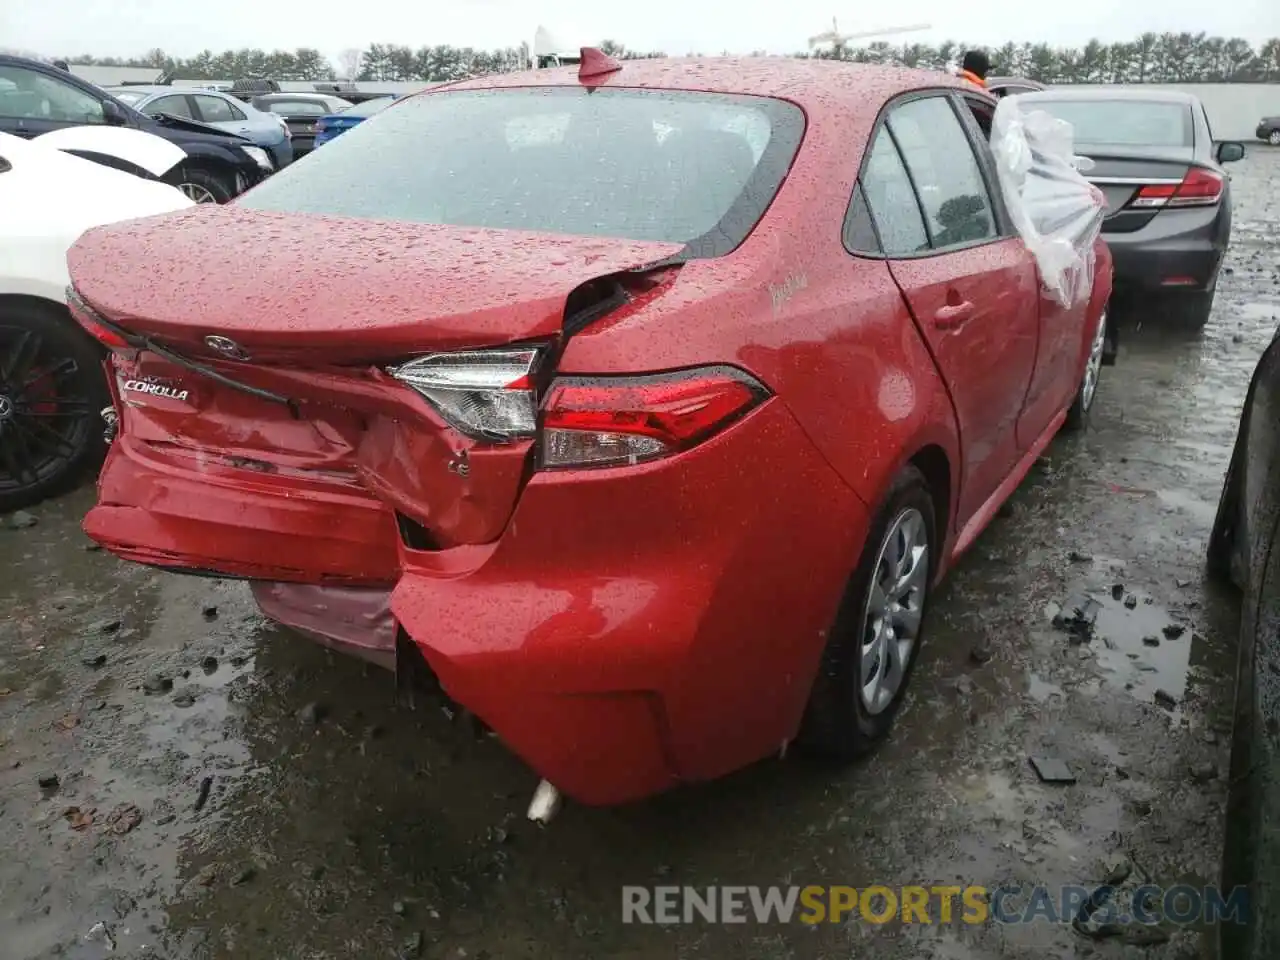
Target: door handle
{"points": [[953, 316]]}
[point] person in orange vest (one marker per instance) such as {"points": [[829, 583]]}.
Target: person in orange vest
{"points": [[974, 67]]}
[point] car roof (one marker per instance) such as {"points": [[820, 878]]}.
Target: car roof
{"points": [[161, 88], [1125, 93], [1014, 82], [308, 95], [852, 87]]}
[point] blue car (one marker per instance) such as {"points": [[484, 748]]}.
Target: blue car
{"points": [[220, 110], [335, 123]]}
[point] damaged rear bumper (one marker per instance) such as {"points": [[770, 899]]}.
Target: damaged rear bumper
{"points": [[159, 512], [629, 632]]}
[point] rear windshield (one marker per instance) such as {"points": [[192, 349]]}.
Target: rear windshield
{"points": [[315, 108], [1123, 122], [691, 168]]}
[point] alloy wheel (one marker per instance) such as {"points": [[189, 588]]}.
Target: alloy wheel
{"points": [[44, 412], [197, 193], [1093, 369], [1273, 138], [894, 610]]}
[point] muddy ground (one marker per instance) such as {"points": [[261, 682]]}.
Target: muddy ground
{"points": [[288, 808]]}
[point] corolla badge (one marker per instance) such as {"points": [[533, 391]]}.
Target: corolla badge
{"points": [[154, 389], [228, 348]]}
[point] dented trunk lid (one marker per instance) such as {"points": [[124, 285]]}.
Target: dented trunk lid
{"points": [[319, 308], [309, 289]]}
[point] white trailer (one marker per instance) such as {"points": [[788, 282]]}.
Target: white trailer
{"points": [[550, 50]]}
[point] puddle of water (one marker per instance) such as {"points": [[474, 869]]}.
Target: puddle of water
{"points": [[1122, 644]]}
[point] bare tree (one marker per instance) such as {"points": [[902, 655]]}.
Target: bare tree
{"points": [[349, 63]]}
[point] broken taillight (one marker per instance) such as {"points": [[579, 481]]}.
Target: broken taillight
{"points": [[585, 421], [615, 421], [88, 318], [1199, 188], [485, 394]]}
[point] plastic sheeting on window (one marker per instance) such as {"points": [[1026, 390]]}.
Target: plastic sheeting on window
{"points": [[1057, 212]]}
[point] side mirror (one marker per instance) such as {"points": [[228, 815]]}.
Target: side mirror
{"points": [[112, 113], [1229, 151]]}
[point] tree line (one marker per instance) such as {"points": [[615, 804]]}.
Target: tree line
{"points": [[1149, 58]]}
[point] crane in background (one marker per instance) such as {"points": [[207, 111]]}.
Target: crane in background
{"points": [[839, 42]]}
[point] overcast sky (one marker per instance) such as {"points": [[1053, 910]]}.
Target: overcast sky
{"points": [[184, 27]]}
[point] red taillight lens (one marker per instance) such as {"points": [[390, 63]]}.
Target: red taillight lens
{"points": [[612, 421], [1199, 188], [88, 318]]}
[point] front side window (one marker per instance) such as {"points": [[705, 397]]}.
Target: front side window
{"points": [[690, 168], [29, 95], [945, 171], [216, 110], [175, 105]]}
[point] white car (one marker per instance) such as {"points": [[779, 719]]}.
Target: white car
{"points": [[52, 382]]}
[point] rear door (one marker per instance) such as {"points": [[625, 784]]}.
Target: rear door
{"points": [[970, 283], [221, 113]]}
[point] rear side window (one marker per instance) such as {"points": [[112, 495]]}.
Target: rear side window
{"points": [[892, 200], [1136, 123], [945, 172], [217, 110], [692, 168], [859, 232]]}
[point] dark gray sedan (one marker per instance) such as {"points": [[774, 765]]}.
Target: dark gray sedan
{"points": [[1168, 197], [300, 111]]}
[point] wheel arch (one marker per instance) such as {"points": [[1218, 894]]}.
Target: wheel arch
{"points": [[56, 308], [934, 464]]}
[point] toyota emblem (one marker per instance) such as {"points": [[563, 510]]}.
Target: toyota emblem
{"points": [[228, 348]]}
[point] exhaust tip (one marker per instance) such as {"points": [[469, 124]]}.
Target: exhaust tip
{"points": [[545, 803]]}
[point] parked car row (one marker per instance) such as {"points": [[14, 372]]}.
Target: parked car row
{"points": [[37, 98], [733, 329]]}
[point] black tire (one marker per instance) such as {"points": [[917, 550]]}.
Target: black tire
{"points": [[1220, 560], [1078, 412], [1273, 138], [837, 723], [195, 180], [51, 376]]}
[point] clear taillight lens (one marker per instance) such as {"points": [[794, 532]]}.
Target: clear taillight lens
{"points": [[485, 394], [619, 421]]}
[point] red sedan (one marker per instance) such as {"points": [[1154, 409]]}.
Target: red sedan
{"points": [[656, 399]]}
